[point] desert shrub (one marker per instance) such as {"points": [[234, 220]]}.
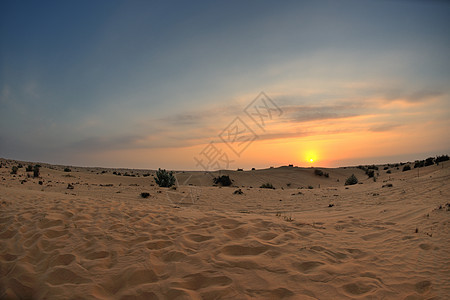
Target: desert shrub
{"points": [[145, 195], [370, 173], [40, 182], [326, 174], [238, 192], [70, 186], [441, 158], [267, 186], [223, 180], [387, 185], [406, 168], [253, 169], [385, 168], [351, 180], [67, 170], [419, 164], [310, 187], [36, 171], [388, 172], [429, 161], [20, 166], [29, 168], [164, 178], [146, 174], [240, 170], [318, 172], [14, 170]]}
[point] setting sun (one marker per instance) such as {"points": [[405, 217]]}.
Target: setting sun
{"points": [[311, 157]]}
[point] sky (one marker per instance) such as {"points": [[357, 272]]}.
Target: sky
{"points": [[201, 85]]}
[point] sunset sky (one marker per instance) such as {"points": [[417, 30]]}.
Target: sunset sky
{"points": [[148, 84]]}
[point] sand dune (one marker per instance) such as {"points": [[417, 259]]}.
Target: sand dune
{"points": [[101, 240]]}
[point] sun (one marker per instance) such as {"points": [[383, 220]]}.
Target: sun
{"points": [[311, 157]]}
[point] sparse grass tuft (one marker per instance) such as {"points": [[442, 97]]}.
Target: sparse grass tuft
{"points": [[145, 195], [267, 186]]}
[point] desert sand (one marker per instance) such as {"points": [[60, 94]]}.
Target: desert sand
{"points": [[102, 240]]}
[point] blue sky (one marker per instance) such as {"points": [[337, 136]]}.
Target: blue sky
{"points": [[149, 83]]}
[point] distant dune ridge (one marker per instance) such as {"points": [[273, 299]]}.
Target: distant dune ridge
{"points": [[86, 233]]}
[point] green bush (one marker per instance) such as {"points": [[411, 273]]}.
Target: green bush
{"points": [[36, 171], [351, 180], [267, 186], [164, 178], [14, 170], [223, 180]]}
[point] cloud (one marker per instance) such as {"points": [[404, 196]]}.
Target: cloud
{"points": [[384, 127]]}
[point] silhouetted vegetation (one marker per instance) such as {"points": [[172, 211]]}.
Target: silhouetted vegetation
{"points": [[223, 180], [267, 186], [145, 195], [164, 178], [29, 168], [240, 170], [351, 180], [441, 159], [14, 170], [406, 168], [36, 171], [67, 170], [318, 172], [370, 173], [388, 171], [238, 192]]}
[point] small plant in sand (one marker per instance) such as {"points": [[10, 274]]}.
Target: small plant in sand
{"points": [[238, 192], [67, 170], [223, 180], [351, 180], [164, 178], [29, 168], [406, 168], [267, 186], [318, 172], [14, 170], [36, 171], [145, 195]]}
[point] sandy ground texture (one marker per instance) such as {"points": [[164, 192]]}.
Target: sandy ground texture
{"points": [[310, 238]]}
